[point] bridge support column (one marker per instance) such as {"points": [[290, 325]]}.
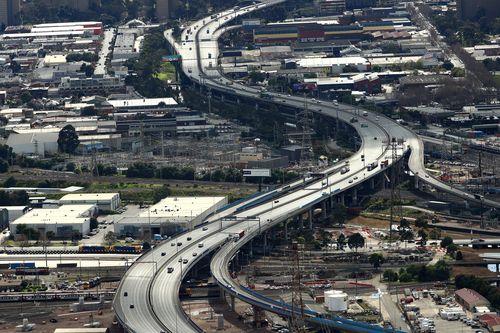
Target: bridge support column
{"points": [[372, 183], [256, 106], [354, 196], [258, 316], [384, 180], [323, 209], [416, 182], [238, 101], [342, 199], [222, 294], [286, 230], [265, 241], [301, 221], [233, 307], [250, 253], [310, 215]]}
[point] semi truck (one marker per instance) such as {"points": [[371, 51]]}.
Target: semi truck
{"points": [[372, 165]]}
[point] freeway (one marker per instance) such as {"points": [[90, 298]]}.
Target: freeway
{"points": [[147, 298]]}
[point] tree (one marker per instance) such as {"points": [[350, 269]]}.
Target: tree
{"points": [[341, 242], [4, 166], [459, 255], [420, 222], [451, 249], [161, 193], [406, 235], [435, 233], [110, 238], [10, 182], [356, 241], [93, 223], [448, 65], [68, 140], [376, 259], [71, 166], [339, 214], [404, 224], [390, 275], [446, 241], [25, 97], [423, 236]]}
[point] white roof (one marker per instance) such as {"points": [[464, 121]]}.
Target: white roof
{"points": [[65, 24], [43, 34], [52, 59], [65, 214], [181, 207], [323, 62], [141, 102], [88, 196]]}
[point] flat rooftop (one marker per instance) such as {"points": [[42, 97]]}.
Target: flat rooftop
{"points": [[181, 207], [89, 196], [141, 102], [65, 214]]}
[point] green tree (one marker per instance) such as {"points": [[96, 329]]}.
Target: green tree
{"points": [[423, 236], [421, 222], [435, 233], [68, 140], [110, 238], [339, 214], [446, 241], [459, 256], [406, 235], [10, 182], [356, 241], [451, 249], [4, 166], [25, 97], [341, 242], [390, 275], [93, 223], [161, 193], [376, 259]]}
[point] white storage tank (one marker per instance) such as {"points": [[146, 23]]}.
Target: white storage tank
{"points": [[336, 300]]}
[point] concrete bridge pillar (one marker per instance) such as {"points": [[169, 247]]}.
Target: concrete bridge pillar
{"points": [[222, 294], [233, 307], [250, 253], [265, 241], [222, 98], [256, 106], [417, 183], [238, 101], [286, 230], [354, 196], [310, 218], [372, 183], [342, 199], [323, 209], [384, 180], [301, 221]]}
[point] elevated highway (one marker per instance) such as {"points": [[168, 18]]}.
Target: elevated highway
{"points": [[147, 299]]}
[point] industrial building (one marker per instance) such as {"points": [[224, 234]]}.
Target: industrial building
{"points": [[15, 212], [169, 216], [63, 221], [332, 65], [470, 299], [105, 202]]}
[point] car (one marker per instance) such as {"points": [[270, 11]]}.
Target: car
{"points": [[185, 261], [180, 260], [375, 138], [318, 102], [276, 201], [173, 243], [163, 254], [204, 228], [131, 306], [355, 178], [84, 236], [189, 238], [350, 181], [195, 254], [170, 269], [179, 244], [125, 294], [53, 320]]}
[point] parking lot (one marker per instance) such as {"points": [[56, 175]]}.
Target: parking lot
{"points": [[429, 309]]}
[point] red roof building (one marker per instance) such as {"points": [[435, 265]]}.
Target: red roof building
{"points": [[469, 298]]}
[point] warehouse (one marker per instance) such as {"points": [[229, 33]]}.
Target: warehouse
{"points": [[469, 298], [169, 216], [334, 65], [64, 221], [105, 202], [15, 212]]}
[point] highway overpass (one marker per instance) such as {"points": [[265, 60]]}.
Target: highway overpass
{"points": [[147, 299]]}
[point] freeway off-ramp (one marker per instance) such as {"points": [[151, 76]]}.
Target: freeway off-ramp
{"points": [[147, 299]]}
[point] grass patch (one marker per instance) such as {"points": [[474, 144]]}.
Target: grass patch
{"points": [[167, 72]]}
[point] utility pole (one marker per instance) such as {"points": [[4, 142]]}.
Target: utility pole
{"points": [[297, 316], [395, 193]]}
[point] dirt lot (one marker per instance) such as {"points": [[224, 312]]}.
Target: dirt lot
{"points": [[369, 222]]}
